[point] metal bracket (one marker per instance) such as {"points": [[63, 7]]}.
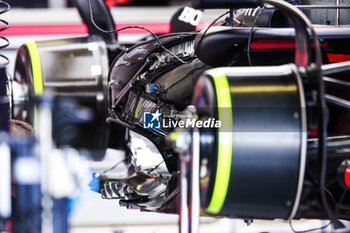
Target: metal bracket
{"points": [[187, 145]]}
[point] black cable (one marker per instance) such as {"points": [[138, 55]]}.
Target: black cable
{"points": [[322, 149], [251, 35], [133, 26], [157, 166], [323, 112], [337, 207], [341, 201], [322, 139], [331, 196], [206, 30], [127, 87], [116, 165], [310, 230], [318, 228]]}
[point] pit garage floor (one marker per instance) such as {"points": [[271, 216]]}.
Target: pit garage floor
{"points": [[93, 214], [103, 216], [97, 215]]}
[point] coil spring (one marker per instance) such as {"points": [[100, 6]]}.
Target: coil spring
{"points": [[4, 42]]}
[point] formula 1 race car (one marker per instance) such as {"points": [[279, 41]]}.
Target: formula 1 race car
{"points": [[248, 118]]}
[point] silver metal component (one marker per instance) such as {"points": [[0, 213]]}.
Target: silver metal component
{"points": [[122, 63], [337, 17], [335, 68], [20, 93], [195, 178], [336, 81], [140, 50], [44, 123], [316, 6], [113, 82], [336, 146], [137, 186], [338, 101], [303, 147], [19, 96], [182, 50], [5, 181], [109, 193], [103, 194], [75, 68], [113, 187], [189, 203], [184, 214], [190, 112], [183, 142], [143, 76]]}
